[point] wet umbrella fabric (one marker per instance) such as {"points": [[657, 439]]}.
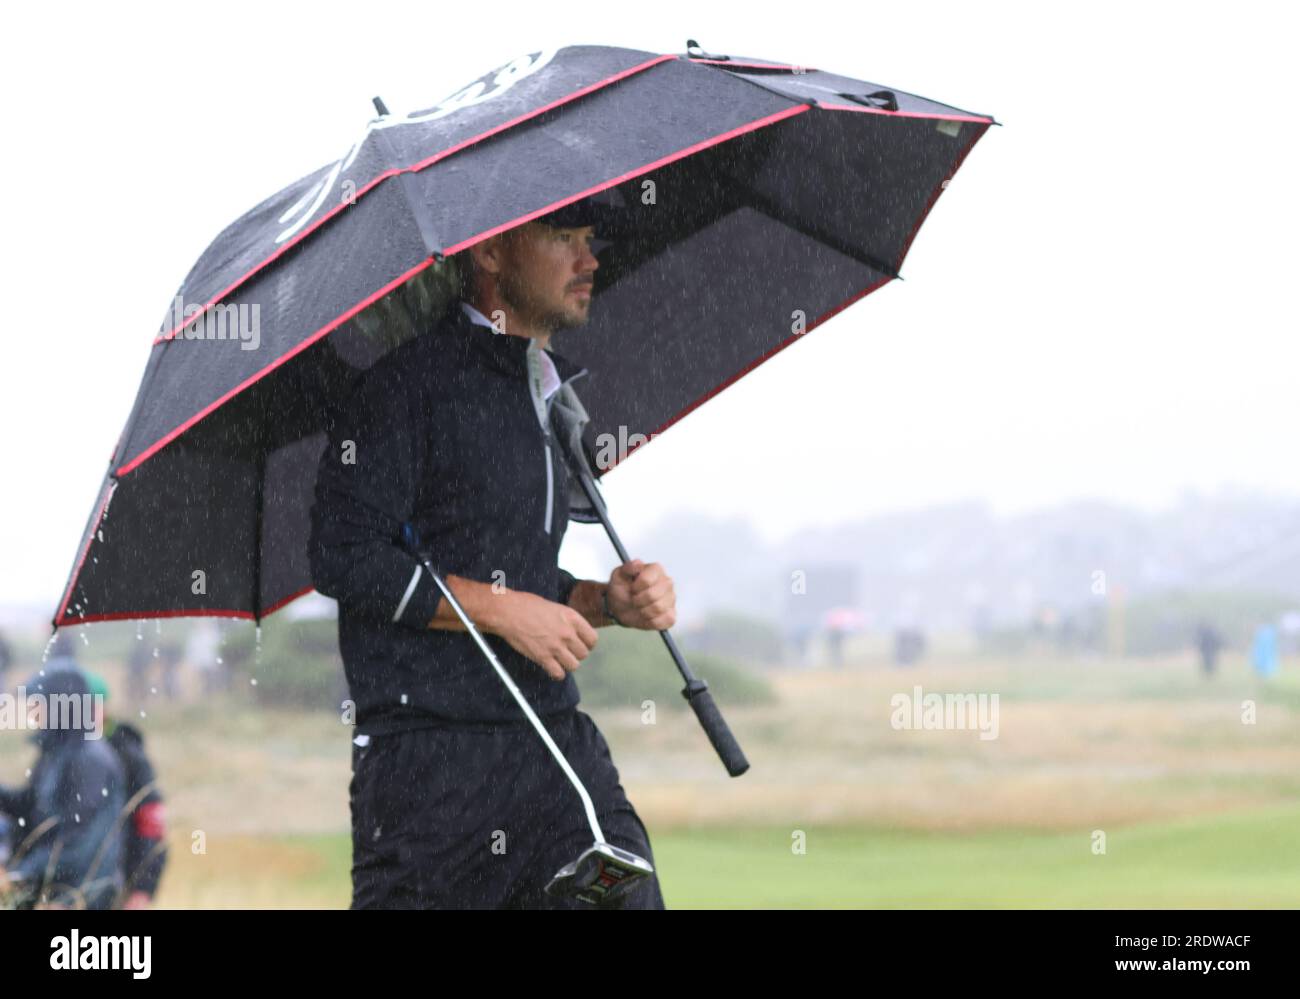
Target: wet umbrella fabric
{"points": [[760, 199]]}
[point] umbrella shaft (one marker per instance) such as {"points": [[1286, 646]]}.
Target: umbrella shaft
{"points": [[598, 504]]}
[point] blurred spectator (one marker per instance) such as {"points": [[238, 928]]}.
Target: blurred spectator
{"points": [[170, 656], [203, 654], [70, 849], [1263, 652], [1208, 643], [141, 675], [835, 642], [144, 849], [839, 623], [800, 636], [909, 646]]}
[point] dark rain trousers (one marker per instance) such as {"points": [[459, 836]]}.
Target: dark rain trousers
{"points": [[469, 816]]}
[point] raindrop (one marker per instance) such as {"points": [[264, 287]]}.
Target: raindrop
{"points": [[77, 816], [104, 791], [142, 714], [253, 681], [153, 690], [99, 534], [139, 631], [21, 822]]}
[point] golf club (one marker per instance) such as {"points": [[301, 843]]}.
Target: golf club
{"points": [[603, 872]]}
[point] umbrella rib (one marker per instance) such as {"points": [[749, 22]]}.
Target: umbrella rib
{"points": [[771, 90], [406, 180]]}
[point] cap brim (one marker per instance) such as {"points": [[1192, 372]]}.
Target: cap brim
{"points": [[607, 226]]}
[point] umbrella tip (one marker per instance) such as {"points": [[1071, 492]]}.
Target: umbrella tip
{"points": [[380, 106]]}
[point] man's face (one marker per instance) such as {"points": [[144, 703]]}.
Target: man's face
{"points": [[547, 275]]}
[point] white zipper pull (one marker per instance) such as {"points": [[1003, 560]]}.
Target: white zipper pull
{"points": [[550, 487]]}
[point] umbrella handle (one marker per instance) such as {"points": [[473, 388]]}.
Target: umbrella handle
{"points": [[710, 718]]}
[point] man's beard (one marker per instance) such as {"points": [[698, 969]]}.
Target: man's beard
{"points": [[515, 294]]}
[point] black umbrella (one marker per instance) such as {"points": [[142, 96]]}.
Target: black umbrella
{"points": [[760, 199]]}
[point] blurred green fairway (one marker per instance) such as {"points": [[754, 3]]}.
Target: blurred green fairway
{"points": [[1194, 782], [1243, 861]]}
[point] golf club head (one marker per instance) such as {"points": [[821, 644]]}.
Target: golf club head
{"points": [[602, 874]]}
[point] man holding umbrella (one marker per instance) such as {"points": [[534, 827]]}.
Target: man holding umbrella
{"points": [[445, 454]]}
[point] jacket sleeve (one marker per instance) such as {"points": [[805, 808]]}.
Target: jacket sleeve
{"points": [[145, 850], [567, 582], [87, 818], [365, 494], [16, 801]]}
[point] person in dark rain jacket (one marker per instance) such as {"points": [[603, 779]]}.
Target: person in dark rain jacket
{"points": [[447, 451], [69, 849], [144, 846]]}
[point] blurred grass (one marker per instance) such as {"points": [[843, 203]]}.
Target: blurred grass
{"points": [[1239, 861], [1199, 808], [628, 668], [1248, 860]]}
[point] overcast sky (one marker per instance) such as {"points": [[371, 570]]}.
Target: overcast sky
{"points": [[1101, 305]]}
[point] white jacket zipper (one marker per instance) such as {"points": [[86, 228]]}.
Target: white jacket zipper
{"points": [[542, 407], [550, 487]]}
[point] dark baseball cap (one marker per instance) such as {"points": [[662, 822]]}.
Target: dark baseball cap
{"points": [[605, 211]]}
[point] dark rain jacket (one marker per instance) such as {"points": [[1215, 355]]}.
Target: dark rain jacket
{"points": [[70, 838], [445, 447], [144, 849]]}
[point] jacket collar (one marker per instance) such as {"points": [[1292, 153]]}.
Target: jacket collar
{"points": [[508, 354]]}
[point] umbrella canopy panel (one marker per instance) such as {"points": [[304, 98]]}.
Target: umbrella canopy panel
{"points": [[760, 200]]}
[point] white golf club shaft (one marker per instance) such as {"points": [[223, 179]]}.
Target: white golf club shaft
{"points": [[519, 697]]}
